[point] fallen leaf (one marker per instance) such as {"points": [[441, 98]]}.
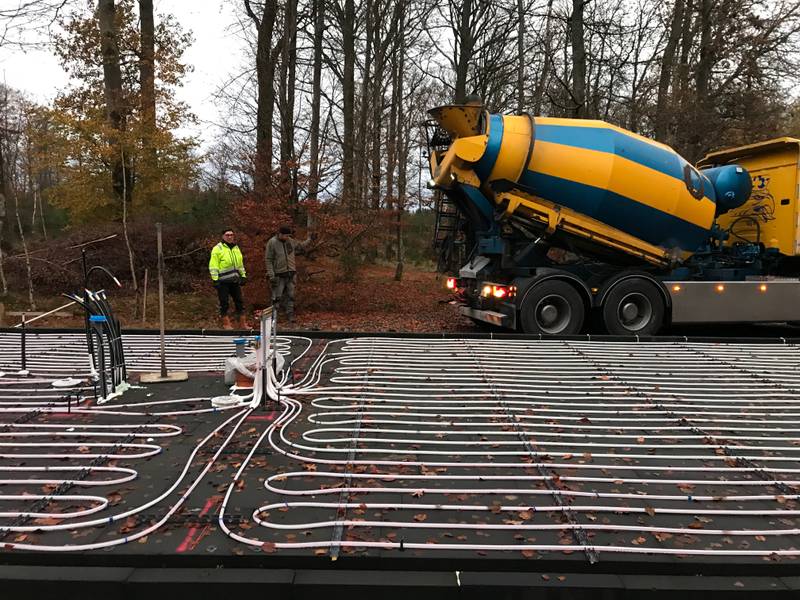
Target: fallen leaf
{"points": [[420, 517], [268, 547], [129, 525]]}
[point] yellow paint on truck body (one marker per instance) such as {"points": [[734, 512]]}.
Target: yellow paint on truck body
{"points": [[558, 218], [772, 215]]}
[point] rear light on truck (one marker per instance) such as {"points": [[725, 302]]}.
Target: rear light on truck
{"points": [[500, 292]]}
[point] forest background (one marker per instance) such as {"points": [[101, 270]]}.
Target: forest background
{"points": [[322, 128]]}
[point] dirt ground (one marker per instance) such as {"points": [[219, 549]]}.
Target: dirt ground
{"points": [[374, 302]]}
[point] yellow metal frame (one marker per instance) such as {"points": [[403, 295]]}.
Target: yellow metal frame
{"points": [[555, 217]]}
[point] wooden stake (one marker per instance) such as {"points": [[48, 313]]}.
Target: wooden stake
{"points": [[161, 299], [162, 377]]}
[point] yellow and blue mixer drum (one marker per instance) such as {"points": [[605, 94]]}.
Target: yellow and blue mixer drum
{"points": [[631, 183]]}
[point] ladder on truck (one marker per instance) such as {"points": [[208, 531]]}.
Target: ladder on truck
{"points": [[445, 234]]}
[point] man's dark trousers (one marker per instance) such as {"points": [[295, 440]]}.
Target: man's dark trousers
{"points": [[234, 290]]}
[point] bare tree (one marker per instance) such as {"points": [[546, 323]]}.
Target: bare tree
{"points": [[287, 84], [316, 99], [347, 24], [266, 57], [578, 58], [28, 24], [662, 118]]}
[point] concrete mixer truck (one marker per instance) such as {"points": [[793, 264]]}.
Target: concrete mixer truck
{"points": [[575, 225]]}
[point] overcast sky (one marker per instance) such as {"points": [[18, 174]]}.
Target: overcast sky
{"points": [[215, 54]]}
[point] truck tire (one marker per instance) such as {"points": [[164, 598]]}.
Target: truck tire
{"points": [[633, 307], [552, 307]]}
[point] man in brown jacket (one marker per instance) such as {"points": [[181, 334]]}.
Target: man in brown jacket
{"points": [[281, 270]]}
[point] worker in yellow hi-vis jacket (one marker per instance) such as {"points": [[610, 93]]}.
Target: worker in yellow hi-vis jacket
{"points": [[226, 267]]}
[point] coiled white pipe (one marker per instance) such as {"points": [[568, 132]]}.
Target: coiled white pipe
{"points": [[441, 401]]}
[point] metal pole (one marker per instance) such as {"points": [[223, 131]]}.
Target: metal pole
{"points": [[24, 359], [89, 338], [144, 299], [101, 359], [161, 299]]}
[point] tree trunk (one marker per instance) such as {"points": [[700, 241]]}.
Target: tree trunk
{"points": [[41, 213], [378, 101], [129, 247], [703, 75], [404, 134], [147, 81], [547, 62], [364, 104], [348, 143], [520, 57], [31, 301], [316, 96], [662, 117], [4, 194], [702, 106], [391, 138], [578, 58], [121, 179], [681, 81], [464, 44], [287, 89], [265, 102]]}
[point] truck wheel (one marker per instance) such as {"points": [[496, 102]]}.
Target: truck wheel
{"points": [[633, 307], [554, 308]]}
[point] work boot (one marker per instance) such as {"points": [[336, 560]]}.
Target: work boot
{"points": [[226, 322], [243, 322]]}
